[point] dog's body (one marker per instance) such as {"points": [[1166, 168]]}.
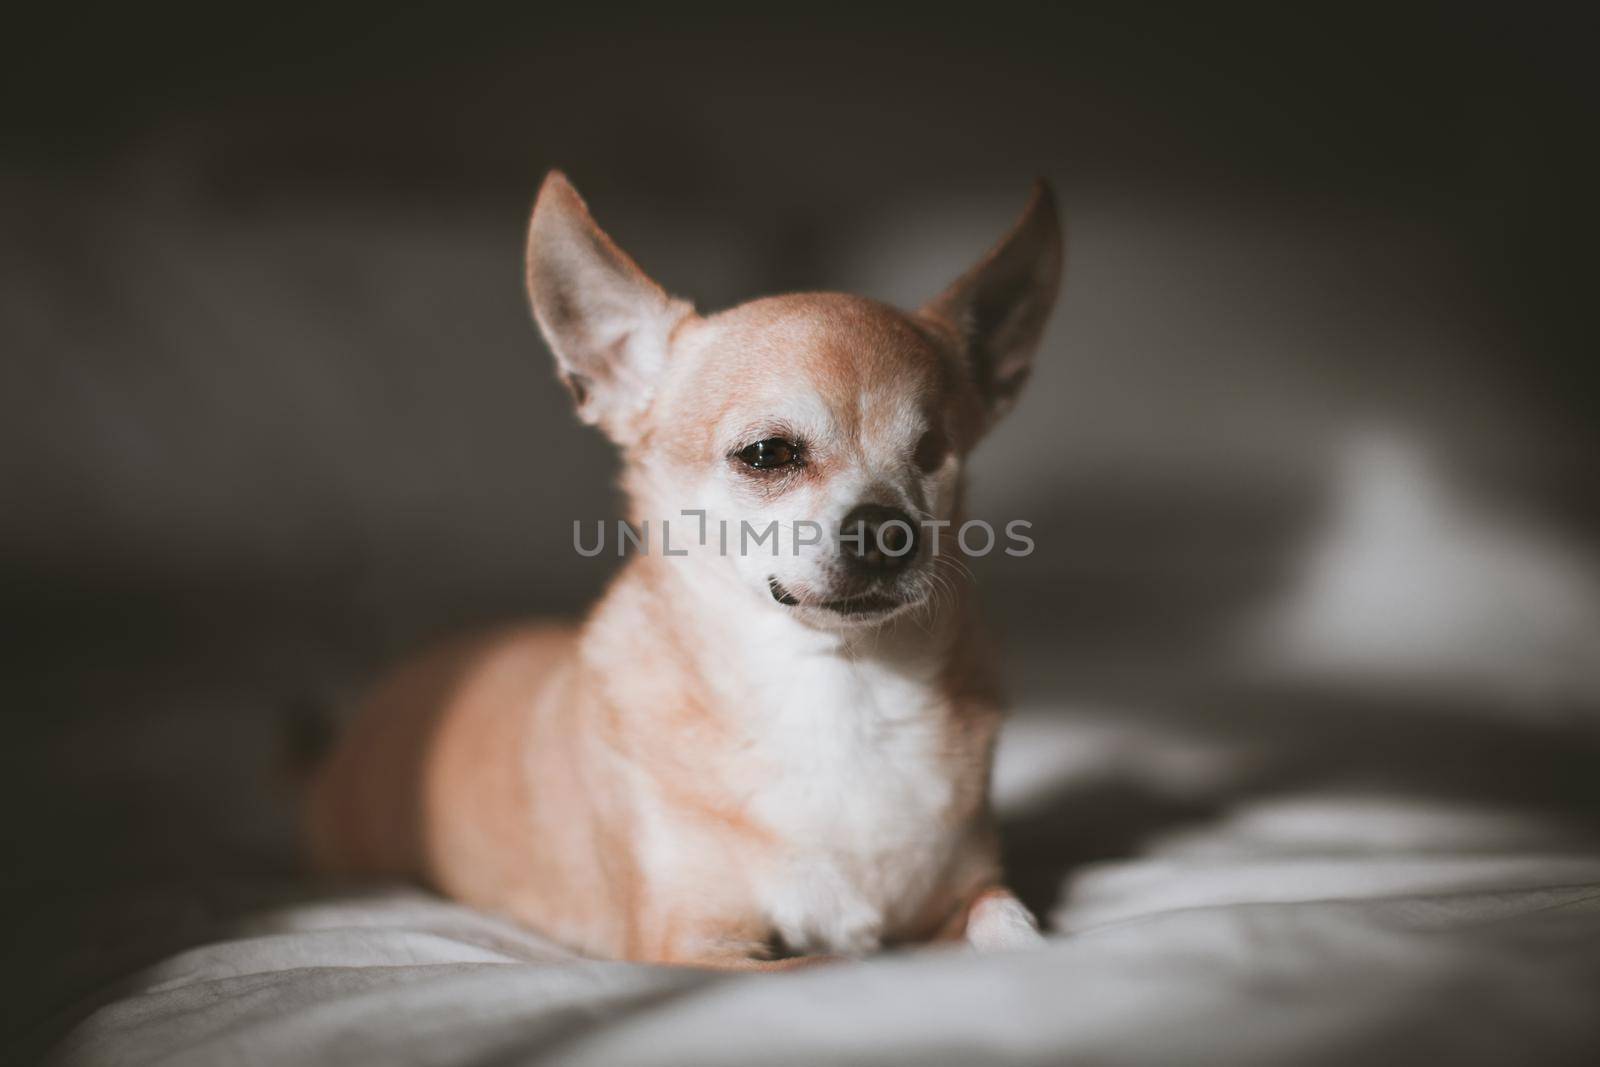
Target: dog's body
{"points": [[739, 753]]}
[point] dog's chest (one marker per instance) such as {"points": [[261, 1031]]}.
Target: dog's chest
{"points": [[852, 774]]}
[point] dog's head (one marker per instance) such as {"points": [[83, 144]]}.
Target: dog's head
{"points": [[821, 435]]}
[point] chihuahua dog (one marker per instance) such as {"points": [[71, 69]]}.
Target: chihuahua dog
{"points": [[743, 757]]}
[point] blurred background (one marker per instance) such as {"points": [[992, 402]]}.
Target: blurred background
{"points": [[1316, 413]]}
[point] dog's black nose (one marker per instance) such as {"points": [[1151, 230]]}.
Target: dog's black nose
{"points": [[874, 539]]}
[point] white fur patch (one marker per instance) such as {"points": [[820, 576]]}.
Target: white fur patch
{"points": [[999, 922], [853, 782]]}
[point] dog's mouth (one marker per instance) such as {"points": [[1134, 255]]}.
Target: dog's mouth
{"points": [[866, 604]]}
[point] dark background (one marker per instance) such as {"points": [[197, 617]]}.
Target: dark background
{"points": [[272, 408]]}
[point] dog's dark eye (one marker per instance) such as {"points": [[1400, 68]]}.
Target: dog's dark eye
{"points": [[773, 452], [931, 450]]}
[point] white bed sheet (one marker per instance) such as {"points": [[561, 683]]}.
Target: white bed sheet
{"points": [[1331, 926]]}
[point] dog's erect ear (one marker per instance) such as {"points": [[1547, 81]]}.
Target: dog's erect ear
{"points": [[999, 307], [606, 321]]}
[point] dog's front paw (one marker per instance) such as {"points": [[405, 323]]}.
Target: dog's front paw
{"points": [[997, 921]]}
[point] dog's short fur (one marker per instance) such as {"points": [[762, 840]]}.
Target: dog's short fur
{"points": [[738, 757]]}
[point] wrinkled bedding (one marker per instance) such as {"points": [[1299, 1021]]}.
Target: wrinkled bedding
{"points": [[1333, 923]]}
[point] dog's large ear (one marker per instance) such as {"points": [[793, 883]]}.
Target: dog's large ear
{"points": [[606, 321], [999, 307]]}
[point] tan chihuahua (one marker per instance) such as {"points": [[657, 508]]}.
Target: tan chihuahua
{"points": [[745, 756]]}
